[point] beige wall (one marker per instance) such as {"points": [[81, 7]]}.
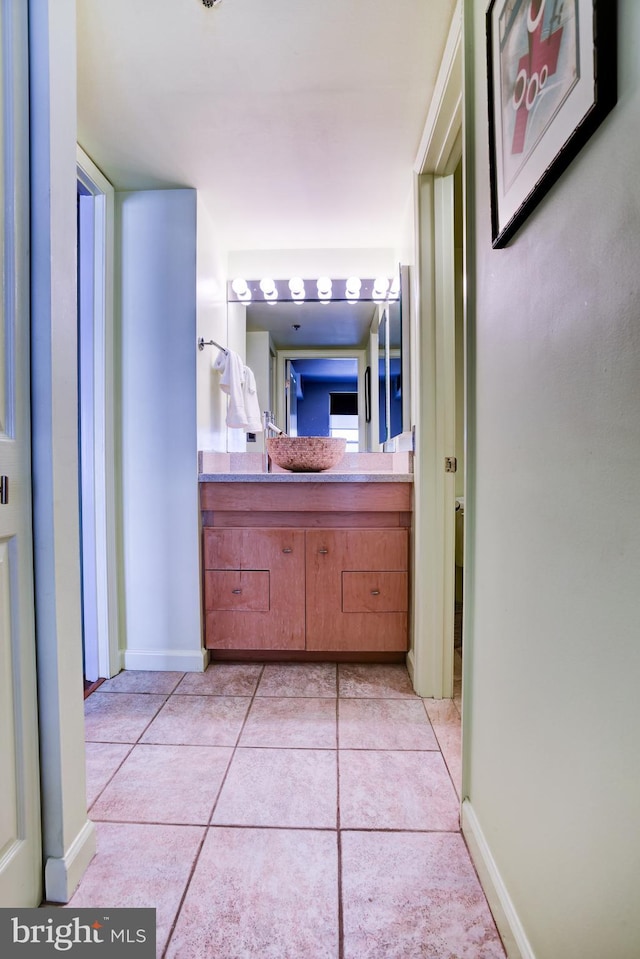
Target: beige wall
{"points": [[552, 651]]}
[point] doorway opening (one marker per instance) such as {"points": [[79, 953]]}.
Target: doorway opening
{"points": [[86, 434], [96, 480]]}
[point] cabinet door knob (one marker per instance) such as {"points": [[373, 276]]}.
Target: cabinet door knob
{"points": [[323, 551], [287, 549], [375, 592], [237, 592]]}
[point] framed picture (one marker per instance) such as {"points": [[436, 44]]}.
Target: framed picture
{"points": [[552, 80]]}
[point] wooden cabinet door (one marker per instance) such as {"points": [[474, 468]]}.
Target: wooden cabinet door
{"points": [[362, 612], [268, 567]]}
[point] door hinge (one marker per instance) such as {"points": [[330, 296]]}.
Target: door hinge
{"points": [[4, 490], [450, 464]]}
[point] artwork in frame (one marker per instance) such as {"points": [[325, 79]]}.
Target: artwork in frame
{"points": [[552, 80]]}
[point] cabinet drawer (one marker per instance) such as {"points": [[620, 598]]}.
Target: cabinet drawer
{"points": [[333, 550], [374, 592], [242, 590], [249, 549]]}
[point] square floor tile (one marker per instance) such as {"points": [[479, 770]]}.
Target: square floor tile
{"points": [[165, 784], [199, 721], [374, 681], [261, 894], [102, 760], [302, 723], [141, 681], [384, 724], [298, 679], [413, 897], [223, 679], [396, 790], [280, 787], [140, 866], [119, 719]]}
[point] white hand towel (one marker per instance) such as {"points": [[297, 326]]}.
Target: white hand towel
{"points": [[238, 381], [231, 367], [251, 403]]}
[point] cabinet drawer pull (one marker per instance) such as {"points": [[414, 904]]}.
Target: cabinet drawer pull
{"points": [[323, 551], [287, 549], [236, 592], [375, 592]]}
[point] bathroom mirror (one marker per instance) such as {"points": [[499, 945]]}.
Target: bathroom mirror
{"points": [[324, 367]]}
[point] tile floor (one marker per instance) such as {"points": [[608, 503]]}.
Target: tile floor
{"points": [[289, 811]]}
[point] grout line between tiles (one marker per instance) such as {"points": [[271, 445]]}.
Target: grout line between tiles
{"points": [[248, 827], [235, 747], [117, 769], [445, 760], [158, 710], [208, 825], [196, 859], [339, 831]]}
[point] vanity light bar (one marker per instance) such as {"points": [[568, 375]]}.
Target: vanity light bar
{"points": [[325, 289]]}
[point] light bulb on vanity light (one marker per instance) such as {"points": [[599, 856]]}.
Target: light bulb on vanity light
{"points": [[380, 287], [324, 286], [296, 286], [239, 286], [352, 288], [268, 287], [241, 289]]}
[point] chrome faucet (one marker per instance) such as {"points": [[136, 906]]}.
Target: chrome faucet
{"points": [[269, 427]]}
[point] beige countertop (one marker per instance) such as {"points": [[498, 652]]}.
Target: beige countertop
{"points": [[325, 477]]}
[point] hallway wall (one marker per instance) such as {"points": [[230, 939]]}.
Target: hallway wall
{"points": [[552, 658], [156, 232]]}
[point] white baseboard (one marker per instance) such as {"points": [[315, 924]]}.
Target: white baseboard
{"points": [[61, 876], [166, 660], [509, 926]]}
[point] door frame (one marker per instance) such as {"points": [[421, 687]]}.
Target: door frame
{"points": [[102, 514], [20, 822], [430, 659], [315, 354]]}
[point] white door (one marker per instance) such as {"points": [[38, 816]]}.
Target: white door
{"points": [[20, 844]]}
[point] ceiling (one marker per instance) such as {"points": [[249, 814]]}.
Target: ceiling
{"points": [[336, 325], [298, 122]]}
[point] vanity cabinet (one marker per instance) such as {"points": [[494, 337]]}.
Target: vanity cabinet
{"points": [[357, 589], [254, 588], [307, 570]]}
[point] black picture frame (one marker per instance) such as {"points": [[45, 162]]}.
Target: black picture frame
{"points": [[552, 79], [367, 394]]}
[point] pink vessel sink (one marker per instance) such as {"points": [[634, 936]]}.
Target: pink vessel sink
{"points": [[306, 454]]}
